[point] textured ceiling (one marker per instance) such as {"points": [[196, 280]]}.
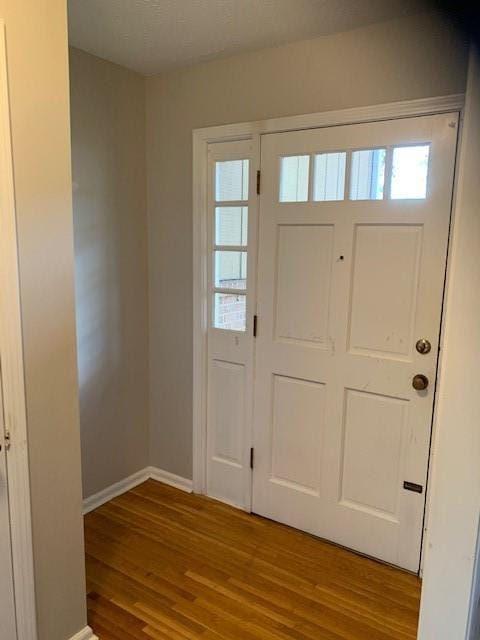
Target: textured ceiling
{"points": [[151, 36]]}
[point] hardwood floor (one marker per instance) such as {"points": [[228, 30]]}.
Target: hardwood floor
{"points": [[165, 564]]}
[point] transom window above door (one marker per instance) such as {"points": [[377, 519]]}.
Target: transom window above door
{"points": [[393, 173]]}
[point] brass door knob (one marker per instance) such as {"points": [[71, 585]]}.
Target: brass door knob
{"points": [[420, 382]]}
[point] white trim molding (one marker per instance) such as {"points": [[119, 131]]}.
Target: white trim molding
{"points": [[84, 634], [118, 488], [13, 379], [97, 499], [247, 131], [184, 484], [357, 115], [200, 311]]}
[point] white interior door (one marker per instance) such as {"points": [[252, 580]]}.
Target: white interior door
{"points": [[353, 237], [7, 601]]}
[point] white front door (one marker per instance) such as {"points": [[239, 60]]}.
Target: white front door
{"points": [[353, 235], [7, 602]]}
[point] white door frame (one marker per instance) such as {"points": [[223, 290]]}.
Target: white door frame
{"points": [[13, 382], [251, 131]]}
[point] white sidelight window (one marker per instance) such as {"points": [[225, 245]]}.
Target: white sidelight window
{"points": [[232, 228]]}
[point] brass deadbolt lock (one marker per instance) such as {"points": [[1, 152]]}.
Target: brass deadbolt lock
{"points": [[423, 346]]}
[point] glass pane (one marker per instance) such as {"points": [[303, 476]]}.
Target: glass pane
{"points": [[368, 174], [294, 179], [231, 269], [231, 225], [231, 180], [329, 176], [230, 311], [409, 172]]}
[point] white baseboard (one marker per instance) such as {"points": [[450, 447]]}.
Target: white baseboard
{"points": [[171, 479], [84, 634], [114, 490]]}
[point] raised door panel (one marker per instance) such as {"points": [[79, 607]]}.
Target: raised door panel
{"points": [[373, 443], [386, 270], [297, 431], [303, 281], [228, 411]]}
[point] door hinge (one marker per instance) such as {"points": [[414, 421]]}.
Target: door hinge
{"points": [[8, 441], [258, 182], [255, 323], [251, 458], [411, 486]]}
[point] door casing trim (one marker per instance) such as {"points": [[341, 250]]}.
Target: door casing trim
{"points": [[13, 380]]}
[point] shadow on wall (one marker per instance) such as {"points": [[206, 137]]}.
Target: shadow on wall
{"points": [[101, 359], [110, 235]]}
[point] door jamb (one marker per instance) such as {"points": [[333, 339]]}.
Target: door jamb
{"points": [[13, 380], [244, 131]]}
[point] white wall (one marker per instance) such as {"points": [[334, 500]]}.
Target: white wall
{"points": [[455, 502], [110, 231], [415, 57], [36, 33]]}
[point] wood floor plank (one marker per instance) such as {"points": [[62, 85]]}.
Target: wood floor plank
{"points": [[162, 563]]}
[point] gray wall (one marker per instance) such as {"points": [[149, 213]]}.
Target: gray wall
{"points": [[110, 230], [403, 59], [36, 32]]}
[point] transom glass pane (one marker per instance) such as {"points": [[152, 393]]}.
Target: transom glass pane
{"points": [[409, 172], [367, 174], [230, 311], [231, 180], [294, 178], [329, 176], [231, 225], [231, 269]]}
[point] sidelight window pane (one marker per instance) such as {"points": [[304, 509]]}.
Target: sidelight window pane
{"points": [[231, 269], [231, 225], [230, 311], [231, 180]]}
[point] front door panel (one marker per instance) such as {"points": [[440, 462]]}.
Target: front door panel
{"points": [[353, 236]]}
